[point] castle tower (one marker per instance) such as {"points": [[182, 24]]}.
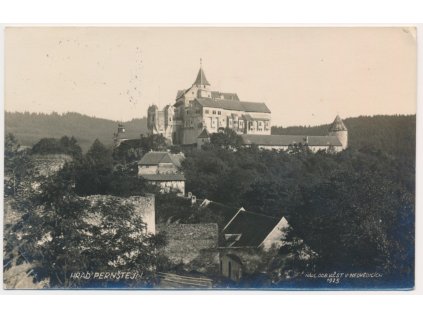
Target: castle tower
{"points": [[338, 129], [152, 118], [202, 84], [120, 135]]}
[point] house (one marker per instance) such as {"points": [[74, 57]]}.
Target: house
{"points": [[244, 236], [162, 168]]}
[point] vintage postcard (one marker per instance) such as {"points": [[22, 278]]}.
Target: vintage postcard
{"points": [[268, 158]]}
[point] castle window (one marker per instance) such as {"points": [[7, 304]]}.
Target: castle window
{"points": [[219, 112], [206, 111], [214, 112]]}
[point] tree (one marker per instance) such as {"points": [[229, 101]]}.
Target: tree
{"points": [[133, 150], [348, 218], [227, 139], [61, 233], [64, 145], [99, 157], [18, 166]]}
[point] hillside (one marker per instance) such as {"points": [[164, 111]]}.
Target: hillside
{"points": [[394, 134], [29, 128]]}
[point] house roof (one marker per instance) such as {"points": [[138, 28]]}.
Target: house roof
{"points": [[203, 134], [214, 94], [286, 140], [180, 93], [233, 105], [253, 227], [164, 177], [224, 211], [157, 157], [201, 78], [217, 94], [337, 125]]}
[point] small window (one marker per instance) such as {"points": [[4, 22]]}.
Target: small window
{"points": [[219, 112], [214, 112], [206, 111]]}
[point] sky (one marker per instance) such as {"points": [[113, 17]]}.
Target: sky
{"points": [[306, 76]]}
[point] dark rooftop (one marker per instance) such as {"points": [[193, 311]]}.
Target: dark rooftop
{"points": [[337, 125], [157, 157], [203, 134], [222, 210], [253, 227], [233, 105], [232, 96], [201, 78]]}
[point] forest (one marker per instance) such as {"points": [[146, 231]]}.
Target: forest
{"points": [[355, 209], [29, 128]]}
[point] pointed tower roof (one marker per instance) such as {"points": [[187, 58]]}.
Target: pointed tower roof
{"points": [[201, 77], [204, 134], [337, 125]]}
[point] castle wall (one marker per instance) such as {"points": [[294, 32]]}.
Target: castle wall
{"points": [[144, 207], [170, 186], [193, 245], [48, 165]]}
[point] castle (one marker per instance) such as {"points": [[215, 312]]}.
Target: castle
{"points": [[199, 107], [199, 111]]}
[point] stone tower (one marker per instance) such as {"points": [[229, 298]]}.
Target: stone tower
{"points": [[338, 129], [202, 84], [120, 135], [152, 119]]}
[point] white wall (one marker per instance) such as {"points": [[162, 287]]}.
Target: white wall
{"points": [[276, 235]]}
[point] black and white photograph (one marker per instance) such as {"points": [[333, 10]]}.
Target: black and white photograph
{"points": [[209, 158]]}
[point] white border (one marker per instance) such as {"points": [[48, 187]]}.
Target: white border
{"points": [[296, 13]]}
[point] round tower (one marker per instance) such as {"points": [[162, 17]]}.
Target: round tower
{"points": [[152, 118], [338, 129]]}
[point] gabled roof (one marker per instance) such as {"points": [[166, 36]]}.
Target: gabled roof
{"points": [[203, 134], [231, 96], [180, 93], [337, 125], [222, 210], [286, 140], [214, 94], [201, 78], [233, 105], [157, 157], [252, 227]]}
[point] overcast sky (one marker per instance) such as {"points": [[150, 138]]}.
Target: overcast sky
{"points": [[305, 75]]}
